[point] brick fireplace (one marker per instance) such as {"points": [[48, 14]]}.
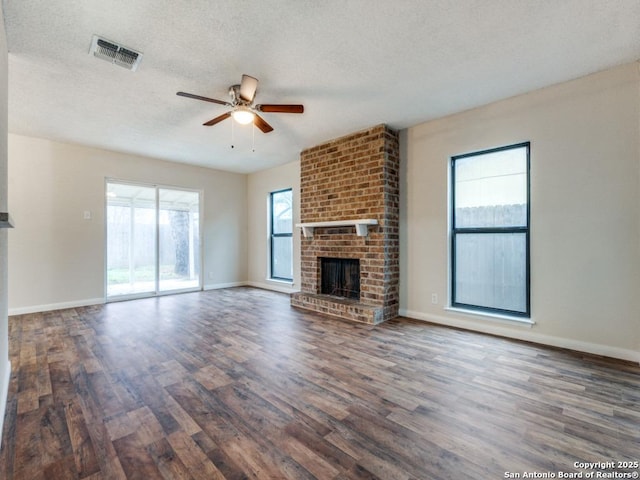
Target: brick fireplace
{"points": [[351, 179]]}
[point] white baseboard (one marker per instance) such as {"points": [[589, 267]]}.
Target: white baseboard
{"points": [[276, 287], [528, 335], [99, 301], [55, 306], [4, 395], [217, 286]]}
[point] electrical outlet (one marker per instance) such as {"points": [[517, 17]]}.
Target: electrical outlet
{"points": [[434, 298], [210, 275]]}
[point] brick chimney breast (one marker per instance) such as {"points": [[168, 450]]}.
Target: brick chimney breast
{"points": [[350, 178]]}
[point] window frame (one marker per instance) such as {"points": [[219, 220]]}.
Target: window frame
{"points": [[455, 232], [273, 235]]}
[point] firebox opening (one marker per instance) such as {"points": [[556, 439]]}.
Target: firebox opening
{"points": [[340, 277]]}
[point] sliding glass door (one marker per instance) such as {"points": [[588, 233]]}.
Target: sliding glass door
{"points": [[153, 240], [131, 240], [179, 239]]}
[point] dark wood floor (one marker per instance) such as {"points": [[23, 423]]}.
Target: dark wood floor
{"points": [[235, 384]]}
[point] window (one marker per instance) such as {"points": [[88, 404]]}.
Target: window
{"points": [[281, 228], [490, 230]]}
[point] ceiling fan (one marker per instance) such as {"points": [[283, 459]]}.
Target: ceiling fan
{"points": [[242, 108]]}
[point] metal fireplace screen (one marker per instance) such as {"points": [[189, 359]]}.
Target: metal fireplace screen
{"points": [[340, 277]]}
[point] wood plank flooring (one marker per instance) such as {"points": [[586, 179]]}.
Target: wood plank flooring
{"points": [[235, 384]]}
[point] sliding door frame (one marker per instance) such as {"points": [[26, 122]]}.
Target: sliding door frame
{"points": [[157, 292]]}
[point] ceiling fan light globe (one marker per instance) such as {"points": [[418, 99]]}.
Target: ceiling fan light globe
{"points": [[242, 116]]}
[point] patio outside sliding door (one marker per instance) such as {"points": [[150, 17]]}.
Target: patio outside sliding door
{"points": [[131, 240], [179, 239], [153, 240]]}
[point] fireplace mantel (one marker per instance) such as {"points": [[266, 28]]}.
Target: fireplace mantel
{"points": [[362, 226]]}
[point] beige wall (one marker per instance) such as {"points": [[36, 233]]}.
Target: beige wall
{"points": [[260, 184], [5, 366], [57, 257], [585, 200]]}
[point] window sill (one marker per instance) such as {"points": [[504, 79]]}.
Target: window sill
{"points": [[496, 317], [281, 282]]}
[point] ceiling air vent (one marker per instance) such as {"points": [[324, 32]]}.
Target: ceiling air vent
{"points": [[114, 53]]}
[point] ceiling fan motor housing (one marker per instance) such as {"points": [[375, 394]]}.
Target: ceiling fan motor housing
{"points": [[236, 99]]}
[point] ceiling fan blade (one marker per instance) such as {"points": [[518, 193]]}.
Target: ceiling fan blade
{"points": [[259, 122], [248, 88], [271, 108], [206, 99], [218, 119]]}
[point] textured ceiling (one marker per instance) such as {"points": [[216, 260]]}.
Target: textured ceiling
{"points": [[352, 63]]}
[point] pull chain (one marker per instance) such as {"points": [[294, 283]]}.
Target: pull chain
{"points": [[232, 122]]}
